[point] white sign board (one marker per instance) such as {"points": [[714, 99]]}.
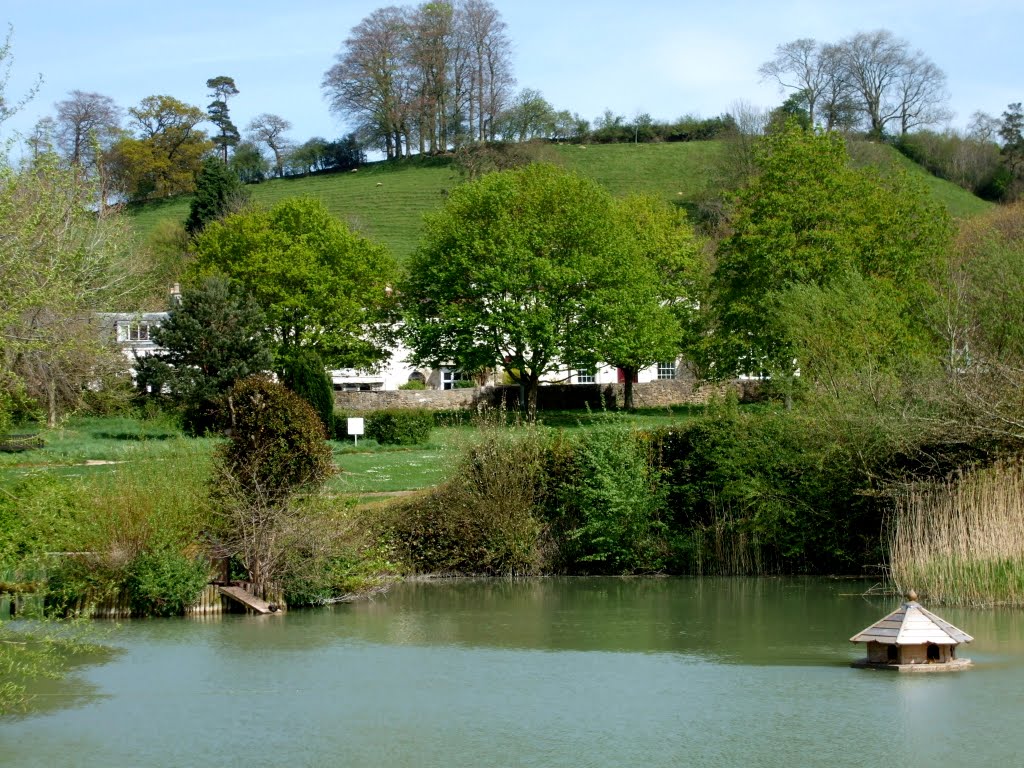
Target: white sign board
{"points": [[355, 426]]}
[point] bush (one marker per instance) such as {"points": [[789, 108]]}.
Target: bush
{"points": [[413, 385], [608, 504], [400, 427], [483, 520], [306, 376], [165, 582]]}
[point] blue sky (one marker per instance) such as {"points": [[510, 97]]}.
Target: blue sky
{"points": [[665, 58]]}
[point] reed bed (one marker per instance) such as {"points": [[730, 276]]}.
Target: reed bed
{"points": [[961, 542]]}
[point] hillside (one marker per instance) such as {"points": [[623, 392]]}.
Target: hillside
{"points": [[386, 201]]}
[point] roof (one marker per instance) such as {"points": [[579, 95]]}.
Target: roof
{"points": [[910, 624]]}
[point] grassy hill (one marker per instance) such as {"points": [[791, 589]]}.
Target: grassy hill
{"points": [[386, 201]]}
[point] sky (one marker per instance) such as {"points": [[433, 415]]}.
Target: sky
{"points": [[665, 57]]}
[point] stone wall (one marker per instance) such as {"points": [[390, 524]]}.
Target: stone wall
{"points": [[653, 394]]}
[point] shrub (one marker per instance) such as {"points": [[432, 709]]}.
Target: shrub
{"points": [[400, 427], [305, 375], [277, 452], [483, 520], [608, 505], [165, 582], [413, 385]]}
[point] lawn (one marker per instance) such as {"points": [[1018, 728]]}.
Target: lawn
{"points": [[100, 445]]}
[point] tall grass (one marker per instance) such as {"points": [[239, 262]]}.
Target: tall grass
{"points": [[961, 542]]}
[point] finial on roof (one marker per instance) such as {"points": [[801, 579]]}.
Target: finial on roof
{"points": [[912, 595]]}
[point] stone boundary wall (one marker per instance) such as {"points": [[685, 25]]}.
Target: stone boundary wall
{"points": [[653, 394]]}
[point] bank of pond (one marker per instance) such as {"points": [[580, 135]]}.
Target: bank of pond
{"points": [[726, 490], [557, 671]]}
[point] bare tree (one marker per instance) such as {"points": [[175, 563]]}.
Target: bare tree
{"points": [[873, 63], [87, 123], [369, 82], [800, 66], [270, 130], [490, 71], [921, 94], [7, 106]]}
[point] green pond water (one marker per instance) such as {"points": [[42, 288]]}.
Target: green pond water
{"points": [[547, 672]]}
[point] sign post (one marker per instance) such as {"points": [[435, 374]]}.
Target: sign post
{"points": [[355, 428]]}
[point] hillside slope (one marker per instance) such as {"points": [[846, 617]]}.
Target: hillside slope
{"points": [[386, 201]]}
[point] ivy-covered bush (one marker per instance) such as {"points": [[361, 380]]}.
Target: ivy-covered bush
{"points": [[400, 427]]}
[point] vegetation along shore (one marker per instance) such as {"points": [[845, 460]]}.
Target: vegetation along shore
{"points": [[844, 288]]}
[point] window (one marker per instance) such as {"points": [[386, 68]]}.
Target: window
{"points": [[133, 331], [667, 370], [451, 378]]}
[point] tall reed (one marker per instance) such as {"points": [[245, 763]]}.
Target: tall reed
{"points": [[961, 542]]}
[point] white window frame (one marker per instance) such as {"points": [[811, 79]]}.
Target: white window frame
{"points": [[667, 370]]}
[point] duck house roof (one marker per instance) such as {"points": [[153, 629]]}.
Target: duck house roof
{"points": [[910, 624]]}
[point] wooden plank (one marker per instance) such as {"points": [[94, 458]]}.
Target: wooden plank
{"points": [[247, 599]]}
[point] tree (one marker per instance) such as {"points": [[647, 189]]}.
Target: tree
{"points": [[167, 151], [87, 124], [61, 264], [508, 273], [216, 336], [276, 452], [8, 106], [370, 83], [529, 117], [248, 163], [222, 88], [873, 75], [270, 130], [804, 67], [808, 218], [321, 286], [429, 76], [647, 315], [490, 72], [891, 82], [218, 192]]}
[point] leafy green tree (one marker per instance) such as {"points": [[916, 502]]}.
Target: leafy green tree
{"points": [[809, 218], [222, 88], [509, 274], [249, 164], [166, 152], [60, 265], [215, 337], [321, 286], [218, 192], [648, 313]]}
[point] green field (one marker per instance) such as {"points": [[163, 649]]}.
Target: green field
{"points": [[386, 201]]}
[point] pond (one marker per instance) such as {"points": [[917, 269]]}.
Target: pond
{"points": [[546, 672]]}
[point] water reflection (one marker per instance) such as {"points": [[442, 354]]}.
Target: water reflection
{"points": [[553, 672]]}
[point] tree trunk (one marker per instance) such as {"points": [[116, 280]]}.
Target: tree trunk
{"points": [[627, 389], [532, 387]]}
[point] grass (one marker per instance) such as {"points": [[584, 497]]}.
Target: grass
{"points": [[386, 201], [366, 468]]}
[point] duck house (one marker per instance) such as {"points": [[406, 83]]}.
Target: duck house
{"points": [[912, 639]]}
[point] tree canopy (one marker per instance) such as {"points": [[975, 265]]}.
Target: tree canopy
{"points": [[519, 270], [320, 285], [808, 217]]}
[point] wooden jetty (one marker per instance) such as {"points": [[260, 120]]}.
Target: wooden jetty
{"points": [[248, 599]]}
